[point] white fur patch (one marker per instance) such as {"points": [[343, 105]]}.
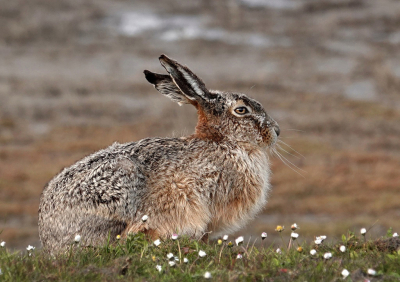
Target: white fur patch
{"points": [[192, 82]]}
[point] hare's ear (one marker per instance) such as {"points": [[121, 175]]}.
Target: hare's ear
{"points": [[164, 84], [192, 86]]}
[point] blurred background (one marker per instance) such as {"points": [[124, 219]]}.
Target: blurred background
{"points": [[71, 83]]}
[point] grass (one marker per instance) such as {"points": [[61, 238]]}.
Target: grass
{"points": [[136, 258]]}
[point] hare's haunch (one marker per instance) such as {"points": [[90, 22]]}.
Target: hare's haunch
{"points": [[214, 180]]}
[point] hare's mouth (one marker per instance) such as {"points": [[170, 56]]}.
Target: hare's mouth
{"points": [[270, 135]]}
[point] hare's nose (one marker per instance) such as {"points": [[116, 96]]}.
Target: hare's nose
{"points": [[277, 130]]}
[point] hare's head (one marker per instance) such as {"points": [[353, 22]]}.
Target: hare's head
{"points": [[222, 115]]}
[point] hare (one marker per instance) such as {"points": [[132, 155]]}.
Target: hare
{"points": [[216, 179]]}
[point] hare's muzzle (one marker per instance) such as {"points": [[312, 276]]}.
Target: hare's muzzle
{"points": [[270, 133]]}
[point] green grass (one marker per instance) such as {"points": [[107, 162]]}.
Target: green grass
{"points": [[135, 259]]}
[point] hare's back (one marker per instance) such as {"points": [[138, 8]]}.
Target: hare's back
{"points": [[117, 173]]}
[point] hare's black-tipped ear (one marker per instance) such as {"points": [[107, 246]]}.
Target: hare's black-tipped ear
{"points": [[192, 86], [164, 84]]}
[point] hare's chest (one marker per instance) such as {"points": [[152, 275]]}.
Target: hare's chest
{"points": [[246, 195], [255, 182]]}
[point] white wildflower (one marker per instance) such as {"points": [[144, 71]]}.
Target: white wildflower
{"points": [[294, 235], [239, 240], [313, 252], [363, 231], [185, 260], [159, 268], [239, 256], [371, 271], [327, 255], [157, 242], [30, 248], [395, 234], [3, 244], [263, 235], [294, 226], [342, 248], [171, 263], [170, 256], [145, 218], [207, 275], [225, 238], [345, 273], [176, 258], [318, 241], [77, 238], [202, 254], [278, 251], [174, 236]]}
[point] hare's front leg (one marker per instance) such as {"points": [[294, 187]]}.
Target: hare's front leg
{"points": [[174, 205]]}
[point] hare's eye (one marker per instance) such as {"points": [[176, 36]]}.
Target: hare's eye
{"points": [[241, 110]]}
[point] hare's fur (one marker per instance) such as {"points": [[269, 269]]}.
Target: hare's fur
{"points": [[214, 180]]}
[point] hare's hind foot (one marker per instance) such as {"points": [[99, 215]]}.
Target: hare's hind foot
{"points": [[151, 234]]}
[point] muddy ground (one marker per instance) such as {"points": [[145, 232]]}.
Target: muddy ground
{"points": [[328, 71]]}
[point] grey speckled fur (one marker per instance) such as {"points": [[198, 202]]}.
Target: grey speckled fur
{"points": [[214, 180]]}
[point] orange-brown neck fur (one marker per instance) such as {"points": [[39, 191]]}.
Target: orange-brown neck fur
{"points": [[204, 130]]}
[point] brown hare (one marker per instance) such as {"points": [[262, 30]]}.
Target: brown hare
{"points": [[216, 179]]}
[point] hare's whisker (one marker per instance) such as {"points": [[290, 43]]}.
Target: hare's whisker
{"points": [[280, 147], [290, 147], [292, 129], [292, 163], [289, 164]]}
